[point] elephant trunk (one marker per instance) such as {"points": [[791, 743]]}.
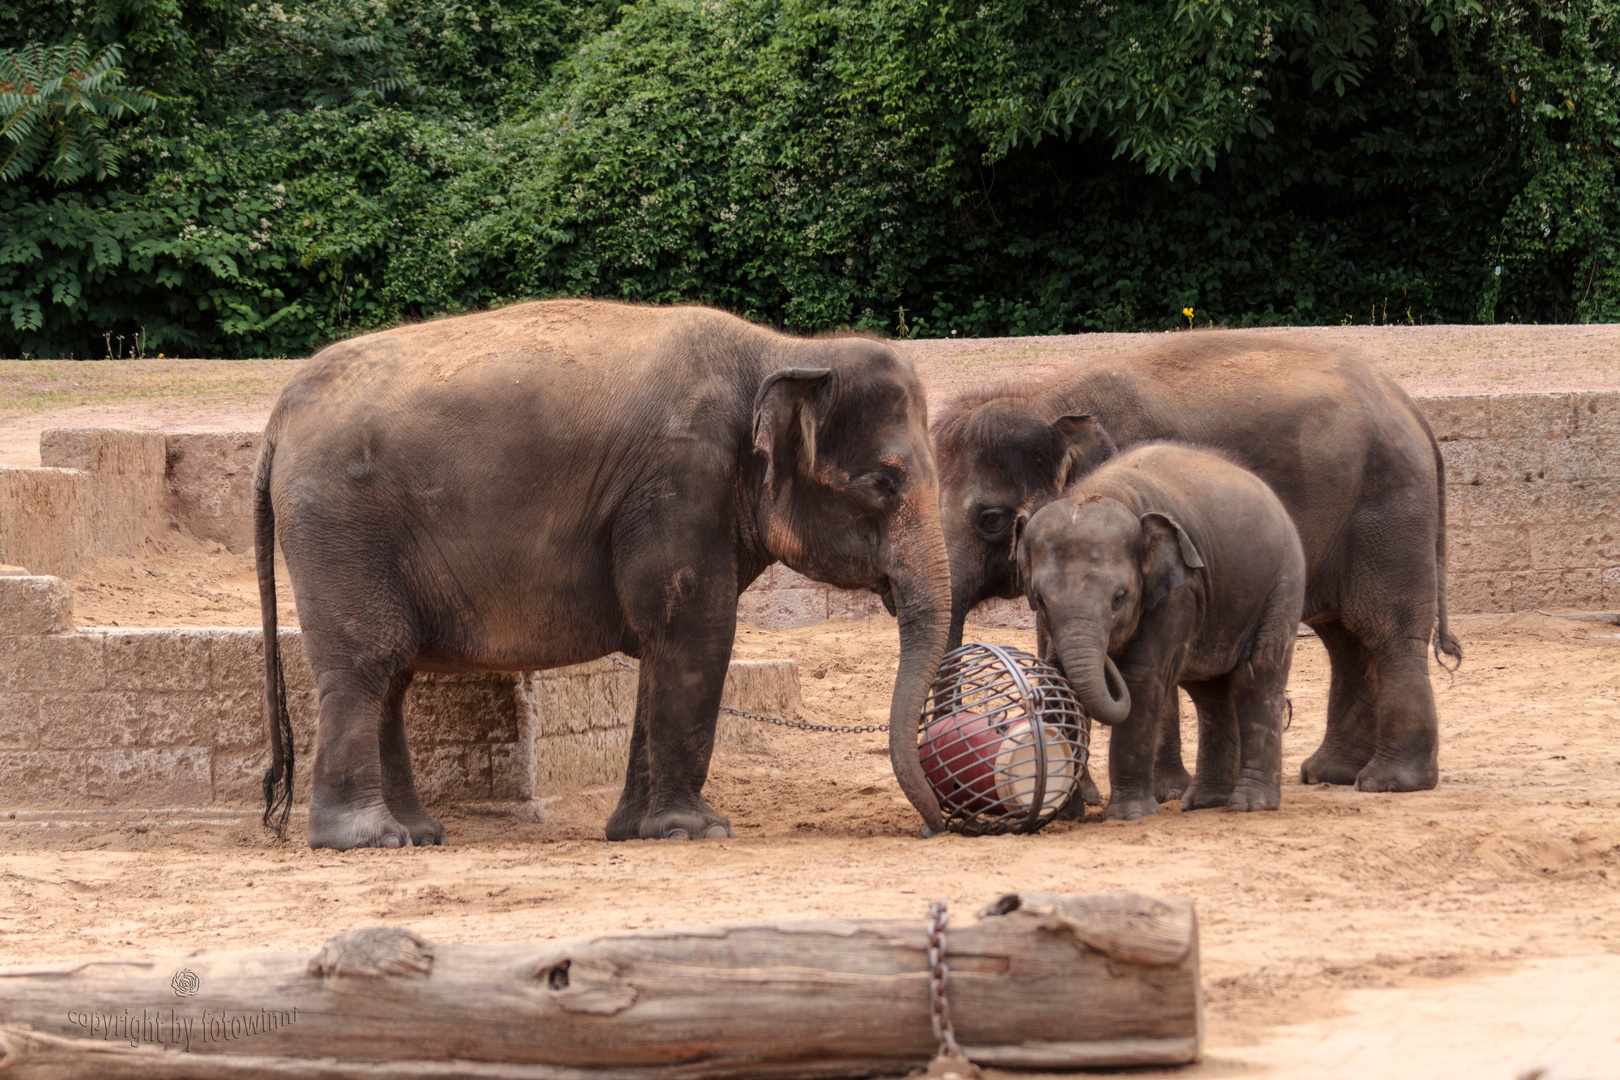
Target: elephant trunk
{"points": [[920, 579], [1096, 681]]}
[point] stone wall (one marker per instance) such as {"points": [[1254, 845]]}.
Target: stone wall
{"points": [[108, 717]]}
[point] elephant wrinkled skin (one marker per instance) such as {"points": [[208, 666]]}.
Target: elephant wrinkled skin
{"points": [[550, 482], [1167, 567], [1341, 444]]}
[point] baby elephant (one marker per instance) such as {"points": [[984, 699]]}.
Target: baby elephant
{"points": [[1168, 566]]}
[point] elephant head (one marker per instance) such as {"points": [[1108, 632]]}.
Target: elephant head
{"points": [[999, 459], [1091, 568], [848, 494]]}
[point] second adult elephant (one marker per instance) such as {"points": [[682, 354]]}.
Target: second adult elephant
{"points": [[1341, 444]]}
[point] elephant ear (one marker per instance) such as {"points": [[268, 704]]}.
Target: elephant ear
{"points": [[1168, 557], [1089, 445], [785, 420], [1022, 560]]}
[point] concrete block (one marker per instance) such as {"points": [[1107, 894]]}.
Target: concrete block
{"points": [[126, 469], [564, 701], [763, 686], [157, 658], [65, 662], [1486, 505], [209, 484], [854, 604], [449, 772], [236, 659], [1532, 416], [1597, 412], [1579, 588], [95, 720], [511, 770], [85, 779], [36, 604], [1004, 615], [1585, 457], [235, 719], [1505, 547], [1611, 587], [1474, 592], [7, 570], [19, 723], [1590, 499], [574, 761], [1459, 416], [1495, 461], [238, 777], [479, 708], [784, 609], [1568, 547], [45, 517]]}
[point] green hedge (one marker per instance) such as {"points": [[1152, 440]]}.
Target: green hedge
{"points": [[315, 168]]}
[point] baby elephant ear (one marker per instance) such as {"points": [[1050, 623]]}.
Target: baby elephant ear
{"points": [[1168, 556], [785, 420], [1021, 559], [1089, 446]]}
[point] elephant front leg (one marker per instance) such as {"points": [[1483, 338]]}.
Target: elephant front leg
{"points": [[346, 806], [1218, 747], [1170, 776], [680, 691], [1260, 725]]}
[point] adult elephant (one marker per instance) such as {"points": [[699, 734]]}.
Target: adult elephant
{"points": [[1342, 445], [551, 482]]}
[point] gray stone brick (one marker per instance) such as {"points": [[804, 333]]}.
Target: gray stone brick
{"points": [[1003, 615], [19, 723], [1495, 461], [1579, 588], [1592, 499], [238, 777], [235, 718], [45, 519], [1597, 412], [236, 659], [1586, 457], [447, 773], [1485, 505], [209, 485], [35, 604], [157, 659], [126, 469], [763, 686], [1532, 416], [1459, 416], [1503, 548], [68, 662], [1568, 547], [854, 604], [562, 703], [570, 762], [511, 771], [480, 708], [784, 609], [99, 719]]}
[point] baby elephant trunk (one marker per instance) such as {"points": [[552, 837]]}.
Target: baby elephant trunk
{"points": [[1096, 681]]}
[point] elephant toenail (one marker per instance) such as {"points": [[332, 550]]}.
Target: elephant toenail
{"points": [[391, 841], [677, 834], [717, 832]]}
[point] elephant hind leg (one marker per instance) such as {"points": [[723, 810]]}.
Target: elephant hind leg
{"points": [[1352, 719], [398, 780], [1406, 757], [346, 806]]}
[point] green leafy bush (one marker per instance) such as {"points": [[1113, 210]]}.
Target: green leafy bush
{"points": [[291, 173]]}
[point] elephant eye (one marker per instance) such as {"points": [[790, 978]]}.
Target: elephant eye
{"points": [[992, 522], [1119, 598]]}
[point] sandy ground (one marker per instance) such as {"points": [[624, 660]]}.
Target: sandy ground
{"points": [[1471, 931]]}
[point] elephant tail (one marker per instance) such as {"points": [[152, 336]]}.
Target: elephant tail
{"points": [[277, 804], [1445, 642]]}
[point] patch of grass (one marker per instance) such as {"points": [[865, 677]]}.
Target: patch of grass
{"points": [[32, 386]]}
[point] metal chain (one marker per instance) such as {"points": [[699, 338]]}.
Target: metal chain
{"points": [[802, 725], [939, 1006]]}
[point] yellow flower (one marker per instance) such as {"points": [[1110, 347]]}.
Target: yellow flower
{"points": [[160, 356]]}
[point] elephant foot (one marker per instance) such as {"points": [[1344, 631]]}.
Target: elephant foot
{"points": [[1130, 809], [1170, 784], [1398, 776], [368, 825], [684, 825], [424, 828], [1332, 766], [1252, 793], [1197, 797]]}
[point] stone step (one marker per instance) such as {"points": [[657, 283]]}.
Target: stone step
{"points": [[111, 717]]}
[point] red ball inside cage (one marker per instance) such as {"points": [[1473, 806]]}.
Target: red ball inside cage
{"points": [[1004, 741]]}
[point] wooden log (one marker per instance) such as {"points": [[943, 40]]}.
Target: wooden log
{"points": [[1040, 981]]}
